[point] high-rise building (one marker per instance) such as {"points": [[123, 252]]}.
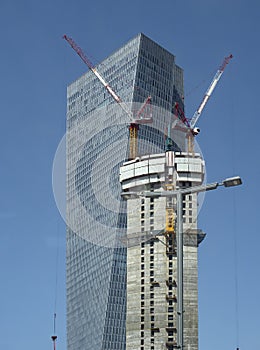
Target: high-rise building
{"points": [[97, 144]]}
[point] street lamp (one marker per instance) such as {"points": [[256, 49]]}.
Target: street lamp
{"points": [[179, 193]]}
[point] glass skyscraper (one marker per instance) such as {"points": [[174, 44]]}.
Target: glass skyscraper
{"points": [[97, 144]]}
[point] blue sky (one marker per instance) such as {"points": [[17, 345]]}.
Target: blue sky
{"points": [[37, 65]]}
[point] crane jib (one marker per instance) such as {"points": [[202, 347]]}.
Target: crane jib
{"points": [[209, 91]]}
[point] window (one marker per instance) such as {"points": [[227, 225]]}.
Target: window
{"points": [[151, 310], [142, 215], [151, 303], [151, 295], [151, 228], [151, 273], [142, 267], [151, 265], [142, 208], [151, 207], [142, 274], [151, 251]]}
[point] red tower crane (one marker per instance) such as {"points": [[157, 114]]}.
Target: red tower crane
{"points": [[140, 119]]}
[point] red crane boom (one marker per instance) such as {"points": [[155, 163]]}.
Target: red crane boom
{"points": [[133, 129]]}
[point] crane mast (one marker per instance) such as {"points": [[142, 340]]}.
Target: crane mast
{"points": [[208, 93], [134, 125]]}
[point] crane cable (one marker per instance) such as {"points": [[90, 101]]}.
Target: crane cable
{"points": [[54, 336], [202, 82], [62, 130]]}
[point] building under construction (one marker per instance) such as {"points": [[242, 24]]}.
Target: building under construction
{"points": [[121, 265], [152, 281]]}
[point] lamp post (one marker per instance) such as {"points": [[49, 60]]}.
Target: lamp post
{"points": [[179, 193]]}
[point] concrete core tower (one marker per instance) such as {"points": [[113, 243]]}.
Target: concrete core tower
{"points": [[151, 321]]}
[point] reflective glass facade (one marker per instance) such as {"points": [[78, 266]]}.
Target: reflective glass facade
{"points": [[96, 263]]}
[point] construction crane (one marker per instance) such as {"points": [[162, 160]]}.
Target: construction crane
{"points": [[193, 130], [134, 125]]}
